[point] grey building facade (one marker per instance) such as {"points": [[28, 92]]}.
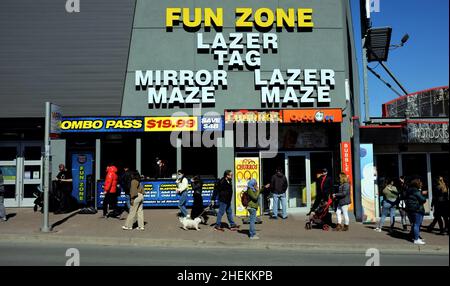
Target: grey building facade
{"points": [[104, 61]]}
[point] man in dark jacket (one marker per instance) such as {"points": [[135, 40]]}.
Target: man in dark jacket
{"points": [[125, 184], [279, 185], [324, 188], [224, 190], [64, 184]]}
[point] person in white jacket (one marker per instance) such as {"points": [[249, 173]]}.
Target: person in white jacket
{"points": [[182, 186]]}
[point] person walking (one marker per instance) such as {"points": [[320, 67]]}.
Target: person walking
{"points": [[64, 183], [182, 190], [125, 185], [224, 190], [440, 205], [390, 199], [279, 185], [197, 207], [2, 198], [342, 198], [415, 199], [253, 193], [110, 192], [402, 187], [137, 203]]}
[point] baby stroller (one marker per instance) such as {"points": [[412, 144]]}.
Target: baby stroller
{"points": [[320, 216]]}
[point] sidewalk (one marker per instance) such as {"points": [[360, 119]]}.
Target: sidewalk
{"points": [[163, 229]]}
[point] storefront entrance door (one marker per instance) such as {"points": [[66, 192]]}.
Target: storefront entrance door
{"points": [[21, 166], [297, 173], [296, 167]]}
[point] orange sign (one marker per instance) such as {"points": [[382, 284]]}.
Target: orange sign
{"points": [[241, 116], [346, 153], [312, 115]]}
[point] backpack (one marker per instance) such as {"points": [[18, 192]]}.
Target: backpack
{"points": [[245, 199]]}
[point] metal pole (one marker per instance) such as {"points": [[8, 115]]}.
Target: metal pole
{"points": [[45, 225], [366, 83], [98, 149], [138, 154], [179, 144], [357, 170], [393, 77]]}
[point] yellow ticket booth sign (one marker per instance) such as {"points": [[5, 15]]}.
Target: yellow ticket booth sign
{"points": [[245, 169]]}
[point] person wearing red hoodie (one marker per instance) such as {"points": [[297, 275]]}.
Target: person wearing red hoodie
{"points": [[110, 191]]}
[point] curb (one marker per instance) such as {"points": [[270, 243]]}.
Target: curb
{"points": [[313, 247]]}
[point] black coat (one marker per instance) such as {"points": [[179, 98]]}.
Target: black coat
{"points": [[224, 190], [325, 189], [125, 181], [415, 201], [279, 184], [197, 207]]}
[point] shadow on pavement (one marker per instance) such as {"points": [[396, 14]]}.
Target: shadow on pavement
{"points": [[8, 216], [244, 231], [64, 219]]}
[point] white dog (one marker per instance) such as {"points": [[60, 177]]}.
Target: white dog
{"points": [[187, 222]]}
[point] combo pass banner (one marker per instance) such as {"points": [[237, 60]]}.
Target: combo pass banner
{"points": [[160, 194], [81, 168], [245, 168], [102, 124], [141, 124]]}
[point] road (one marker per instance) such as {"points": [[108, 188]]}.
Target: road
{"points": [[30, 254]]}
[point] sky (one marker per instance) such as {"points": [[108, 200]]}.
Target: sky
{"points": [[422, 63]]}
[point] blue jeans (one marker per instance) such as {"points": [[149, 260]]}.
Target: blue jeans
{"points": [[182, 203], [252, 229], [387, 208], [416, 223], [128, 202], [283, 205], [225, 208]]}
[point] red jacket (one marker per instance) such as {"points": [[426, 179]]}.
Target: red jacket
{"points": [[111, 180]]}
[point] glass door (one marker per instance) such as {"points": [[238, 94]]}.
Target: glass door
{"points": [[8, 166], [21, 166], [32, 170], [299, 183]]}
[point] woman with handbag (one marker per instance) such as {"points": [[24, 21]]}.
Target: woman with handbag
{"points": [[137, 204], [342, 198]]}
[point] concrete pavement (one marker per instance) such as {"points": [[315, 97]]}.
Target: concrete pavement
{"points": [[57, 254], [163, 229]]}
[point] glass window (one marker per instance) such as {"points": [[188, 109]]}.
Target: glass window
{"points": [[155, 145], [8, 153], [387, 167], [416, 165], [439, 165], [32, 152], [120, 151]]}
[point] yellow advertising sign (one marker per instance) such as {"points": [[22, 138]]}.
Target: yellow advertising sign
{"points": [[244, 169], [181, 123]]}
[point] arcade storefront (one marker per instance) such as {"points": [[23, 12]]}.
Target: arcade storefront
{"points": [[213, 86]]}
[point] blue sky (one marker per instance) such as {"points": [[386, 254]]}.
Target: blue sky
{"points": [[423, 62]]}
